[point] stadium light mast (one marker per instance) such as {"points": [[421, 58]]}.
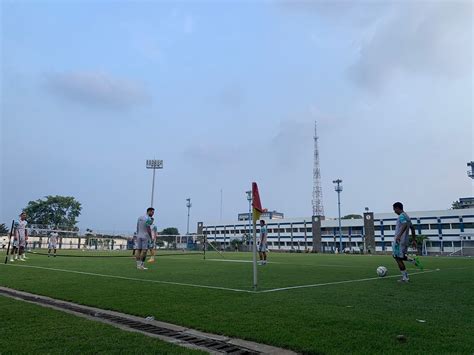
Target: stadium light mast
{"points": [[188, 205], [470, 173], [338, 189], [249, 199], [153, 164]]}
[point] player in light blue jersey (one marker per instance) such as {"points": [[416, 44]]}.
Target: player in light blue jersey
{"points": [[401, 241], [143, 236]]}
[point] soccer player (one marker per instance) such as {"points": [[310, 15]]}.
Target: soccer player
{"points": [[20, 237], [52, 243], [152, 243], [401, 239], [262, 247], [143, 235]]}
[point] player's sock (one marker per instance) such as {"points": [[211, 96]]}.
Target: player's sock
{"points": [[405, 275]]}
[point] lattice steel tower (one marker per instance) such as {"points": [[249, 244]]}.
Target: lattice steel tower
{"points": [[318, 209]]}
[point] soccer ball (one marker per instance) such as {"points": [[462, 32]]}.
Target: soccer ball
{"points": [[382, 271]]}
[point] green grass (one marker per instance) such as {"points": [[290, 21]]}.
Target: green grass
{"points": [[359, 317], [30, 329]]}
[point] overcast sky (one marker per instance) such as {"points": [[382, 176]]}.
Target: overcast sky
{"points": [[227, 93]]}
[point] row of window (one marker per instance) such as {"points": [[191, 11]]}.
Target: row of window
{"points": [[434, 226], [345, 230]]}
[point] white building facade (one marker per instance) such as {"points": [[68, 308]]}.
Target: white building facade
{"points": [[446, 230]]}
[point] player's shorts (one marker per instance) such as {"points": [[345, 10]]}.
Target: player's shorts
{"points": [[142, 243], [262, 248], [19, 243], [52, 246], [400, 251]]}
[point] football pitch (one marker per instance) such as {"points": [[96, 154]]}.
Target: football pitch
{"points": [[309, 303]]}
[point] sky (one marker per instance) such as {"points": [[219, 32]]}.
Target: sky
{"points": [[227, 93]]}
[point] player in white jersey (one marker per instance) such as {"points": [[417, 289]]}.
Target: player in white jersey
{"points": [[19, 239], [53, 243], [262, 247], [143, 236]]}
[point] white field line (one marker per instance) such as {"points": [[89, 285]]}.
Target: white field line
{"points": [[339, 282], [134, 279]]}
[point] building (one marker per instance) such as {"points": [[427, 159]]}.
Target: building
{"points": [[265, 215], [445, 229]]}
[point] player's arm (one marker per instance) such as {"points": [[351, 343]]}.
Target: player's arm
{"points": [[413, 235], [148, 224]]}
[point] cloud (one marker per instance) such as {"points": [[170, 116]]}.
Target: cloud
{"points": [[97, 89], [424, 38], [231, 97], [354, 13], [210, 154]]}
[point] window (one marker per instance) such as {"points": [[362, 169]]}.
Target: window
{"points": [[377, 228], [295, 230], [386, 228], [424, 226], [309, 229], [445, 226], [434, 226], [302, 230], [288, 230], [469, 225], [456, 225]]}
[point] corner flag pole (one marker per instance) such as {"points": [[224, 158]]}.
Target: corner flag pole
{"points": [[9, 240], [254, 254]]}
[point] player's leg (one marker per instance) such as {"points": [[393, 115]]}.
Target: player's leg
{"points": [[20, 253], [13, 251], [143, 258]]}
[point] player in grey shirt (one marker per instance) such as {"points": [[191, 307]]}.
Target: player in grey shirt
{"points": [[143, 235], [401, 241]]}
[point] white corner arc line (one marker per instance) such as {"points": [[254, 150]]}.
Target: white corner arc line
{"points": [[339, 282], [135, 279]]}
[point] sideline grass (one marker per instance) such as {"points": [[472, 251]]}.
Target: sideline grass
{"points": [[360, 317], [32, 329]]}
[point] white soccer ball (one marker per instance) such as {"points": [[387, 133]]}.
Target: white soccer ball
{"points": [[382, 271]]}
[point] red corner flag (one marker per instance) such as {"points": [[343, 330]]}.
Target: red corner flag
{"points": [[257, 206]]}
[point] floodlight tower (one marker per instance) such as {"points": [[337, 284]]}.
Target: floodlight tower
{"points": [[470, 172], [153, 164], [317, 201], [188, 205], [338, 189]]}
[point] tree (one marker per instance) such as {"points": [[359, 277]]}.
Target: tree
{"points": [[4, 229], [236, 243], [352, 216], [456, 205], [419, 241], [54, 211], [169, 234]]}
